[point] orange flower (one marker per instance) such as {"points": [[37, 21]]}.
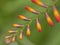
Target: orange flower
{"points": [[12, 31], [21, 35], [17, 25], [49, 20], [56, 14], [39, 3], [38, 25], [28, 31], [23, 17], [31, 10]]}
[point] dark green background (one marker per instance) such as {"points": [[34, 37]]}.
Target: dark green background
{"points": [[10, 9]]}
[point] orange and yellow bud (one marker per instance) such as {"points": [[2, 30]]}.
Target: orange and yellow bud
{"points": [[17, 25], [13, 38], [31, 10], [23, 18], [12, 31], [21, 35], [49, 20], [39, 3], [38, 25], [28, 31], [56, 14]]}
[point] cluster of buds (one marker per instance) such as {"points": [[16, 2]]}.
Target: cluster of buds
{"points": [[9, 39]]}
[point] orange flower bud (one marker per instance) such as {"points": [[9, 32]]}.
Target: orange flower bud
{"points": [[56, 14], [39, 3], [23, 17], [21, 35], [49, 20], [13, 38], [17, 25], [31, 10], [12, 31], [28, 31], [38, 25]]}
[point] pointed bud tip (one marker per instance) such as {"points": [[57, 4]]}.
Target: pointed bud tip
{"points": [[39, 30], [33, 0], [26, 7]]}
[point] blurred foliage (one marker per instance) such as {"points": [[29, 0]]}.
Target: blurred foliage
{"points": [[10, 9]]}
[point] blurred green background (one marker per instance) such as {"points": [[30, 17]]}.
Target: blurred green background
{"points": [[10, 9]]}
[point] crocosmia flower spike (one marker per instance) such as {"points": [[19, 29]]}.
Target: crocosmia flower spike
{"points": [[38, 25], [28, 31], [23, 18], [39, 3], [12, 31], [17, 25], [21, 35], [31, 10], [56, 14], [49, 20]]}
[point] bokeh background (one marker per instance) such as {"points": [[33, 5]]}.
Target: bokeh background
{"points": [[10, 9]]}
